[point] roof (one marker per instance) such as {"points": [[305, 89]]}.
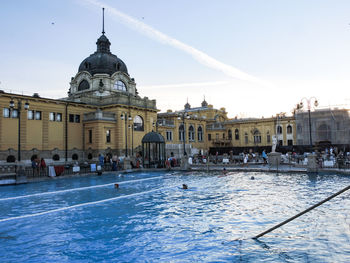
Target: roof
{"points": [[153, 137]]}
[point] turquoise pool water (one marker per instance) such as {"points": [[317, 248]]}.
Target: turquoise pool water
{"points": [[151, 219]]}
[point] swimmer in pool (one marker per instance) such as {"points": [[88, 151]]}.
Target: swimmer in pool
{"points": [[224, 172], [116, 186], [184, 186]]}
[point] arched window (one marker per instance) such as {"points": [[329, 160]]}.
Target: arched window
{"points": [[230, 135], [75, 156], [279, 129], [181, 132], [56, 157], [257, 136], [289, 129], [138, 123], [200, 133], [10, 159], [246, 138], [90, 156], [83, 85], [120, 85], [191, 133], [236, 134]]}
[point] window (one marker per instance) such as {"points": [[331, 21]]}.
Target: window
{"points": [[268, 137], [236, 134], [181, 132], [191, 133], [6, 113], [246, 138], [279, 129], [14, 113], [108, 136], [30, 115], [289, 129], [230, 135], [209, 137], [90, 136], [257, 137], [59, 117], [56, 157], [120, 85], [75, 157], [169, 135], [223, 136], [290, 142], [216, 136], [74, 118], [280, 142], [83, 85], [200, 133], [52, 116], [37, 115], [138, 123], [299, 128], [77, 118], [10, 159]]}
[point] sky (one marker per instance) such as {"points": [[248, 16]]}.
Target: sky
{"points": [[255, 58]]}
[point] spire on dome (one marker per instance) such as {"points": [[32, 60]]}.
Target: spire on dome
{"points": [[103, 43], [103, 20], [204, 103], [187, 105]]}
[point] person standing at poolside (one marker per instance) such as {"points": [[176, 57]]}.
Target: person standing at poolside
{"points": [[101, 160], [264, 156]]}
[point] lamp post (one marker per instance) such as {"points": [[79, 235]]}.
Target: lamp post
{"points": [[156, 124], [182, 116], [309, 105], [19, 107], [124, 116], [132, 138]]}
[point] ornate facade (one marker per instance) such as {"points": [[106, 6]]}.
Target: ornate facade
{"points": [[103, 113], [209, 130]]}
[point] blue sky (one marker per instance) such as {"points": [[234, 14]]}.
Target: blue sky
{"points": [[253, 57]]}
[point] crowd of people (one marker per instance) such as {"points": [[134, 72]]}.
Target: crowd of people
{"points": [[39, 166]]}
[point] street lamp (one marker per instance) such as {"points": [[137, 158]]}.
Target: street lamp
{"points": [[182, 116], [19, 107], [124, 116], [132, 138], [156, 124], [309, 105]]}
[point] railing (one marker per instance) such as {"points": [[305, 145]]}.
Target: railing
{"points": [[222, 141], [99, 116]]}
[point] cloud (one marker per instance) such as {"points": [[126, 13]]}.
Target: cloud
{"points": [[198, 55]]}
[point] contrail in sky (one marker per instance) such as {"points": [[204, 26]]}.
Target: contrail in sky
{"points": [[198, 55], [186, 85]]}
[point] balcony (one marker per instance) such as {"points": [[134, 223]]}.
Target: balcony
{"points": [[99, 115], [222, 142]]}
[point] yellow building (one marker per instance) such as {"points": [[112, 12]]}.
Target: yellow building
{"points": [[208, 130], [103, 114]]}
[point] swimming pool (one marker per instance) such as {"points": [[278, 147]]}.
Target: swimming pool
{"points": [[149, 218]]}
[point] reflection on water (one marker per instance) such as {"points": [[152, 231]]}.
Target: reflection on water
{"points": [[155, 220]]}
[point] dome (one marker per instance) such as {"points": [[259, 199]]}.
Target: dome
{"points": [[103, 61], [153, 137]]}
